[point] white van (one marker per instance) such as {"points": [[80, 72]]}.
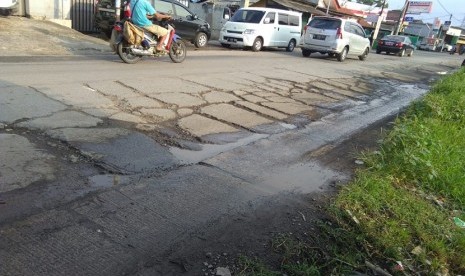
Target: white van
{"points": [[262, 27]]}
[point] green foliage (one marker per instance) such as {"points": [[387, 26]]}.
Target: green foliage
{"points": [[254, 267], [414, 185]]}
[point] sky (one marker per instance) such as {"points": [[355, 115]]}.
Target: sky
{"points": [[456, 7]]}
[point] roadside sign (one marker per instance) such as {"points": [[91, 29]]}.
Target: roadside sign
{"points": [[419, 6], [408, 19], [446, 26], [436, 24]]}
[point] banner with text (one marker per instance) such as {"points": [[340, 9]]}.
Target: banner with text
{"points": [[420, 6]]}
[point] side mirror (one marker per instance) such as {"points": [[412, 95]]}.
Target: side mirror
{"points": [[226, 13], [195, 17], [267, 20]]}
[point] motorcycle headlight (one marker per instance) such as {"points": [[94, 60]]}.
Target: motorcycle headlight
{"points": [[249, 31]]}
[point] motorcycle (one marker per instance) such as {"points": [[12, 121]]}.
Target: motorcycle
{"points": [[131, 53]]}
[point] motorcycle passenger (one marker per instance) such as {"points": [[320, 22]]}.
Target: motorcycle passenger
{"points": [[142, 12]]}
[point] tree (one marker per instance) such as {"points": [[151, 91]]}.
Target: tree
{"points": [[376, 3]]}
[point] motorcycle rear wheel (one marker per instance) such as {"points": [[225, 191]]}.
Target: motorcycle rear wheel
{"points": [[178, 51], [124, 52]]}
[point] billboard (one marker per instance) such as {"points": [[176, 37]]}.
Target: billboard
{"points": [[419, 6]]}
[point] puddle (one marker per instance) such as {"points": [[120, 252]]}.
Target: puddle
{"points": [[304, 177], [185, 156], [288, 126]]}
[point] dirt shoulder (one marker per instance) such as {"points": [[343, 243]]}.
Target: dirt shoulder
{"points": [[44, 38]]}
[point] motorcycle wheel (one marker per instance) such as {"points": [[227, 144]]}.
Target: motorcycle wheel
{"points": [[124, 52], [178, 51]]}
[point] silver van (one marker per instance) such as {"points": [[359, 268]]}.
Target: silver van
{"points": [[336, 37], [262, 27]]}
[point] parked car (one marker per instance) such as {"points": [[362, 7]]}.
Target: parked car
{"points": [[397, 44], [262, 27], [188, 25], [8, 7], [336, 37]]}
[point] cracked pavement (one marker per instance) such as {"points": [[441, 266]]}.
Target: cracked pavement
{"points": [[123, 164]]}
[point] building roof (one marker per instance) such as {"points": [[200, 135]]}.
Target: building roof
{"points": [[300, 6], [297, 5]]}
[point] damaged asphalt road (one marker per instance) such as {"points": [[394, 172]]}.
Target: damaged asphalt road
{"points": [[116, 169]]}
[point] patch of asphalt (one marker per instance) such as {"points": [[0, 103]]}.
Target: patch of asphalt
{"points": [[252, 233], [134, 226], [262, 161]]}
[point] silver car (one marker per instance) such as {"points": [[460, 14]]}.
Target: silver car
{"points": [[334, 36]]}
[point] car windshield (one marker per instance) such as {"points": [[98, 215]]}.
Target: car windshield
{"points": [[325, 23], [394, 38], [248, 16]]}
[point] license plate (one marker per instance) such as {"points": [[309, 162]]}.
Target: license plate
{"points": [[389, 43], [232, 39], [319, 37]]}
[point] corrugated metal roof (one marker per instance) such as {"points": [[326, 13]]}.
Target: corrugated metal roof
{"points": [[299, 6]]}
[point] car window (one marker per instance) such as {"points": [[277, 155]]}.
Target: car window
{"points": [[357, 30], [325, 23], [164, 7], [181, 11], [294, 20], [347, 27], [271, 16], [283, 19], [394, 38], [248, 16]]}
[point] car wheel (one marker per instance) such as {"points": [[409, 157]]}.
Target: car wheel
{"points": [[410, 54], [342, 56], [291, 46], [225, 45], [378, 52], [200, 40], [6, 12], [364, 55], [306, 52], [402, 53], [257, 44]]}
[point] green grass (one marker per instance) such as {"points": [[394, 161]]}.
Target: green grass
{"points": [[401, 206], [415, 184]]}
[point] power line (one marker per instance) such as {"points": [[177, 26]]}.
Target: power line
{"points": [[449, 13], [443, 7]]}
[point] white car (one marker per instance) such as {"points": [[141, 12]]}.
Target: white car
{"points": [[334, 36], [262, 27], [8, 6]]}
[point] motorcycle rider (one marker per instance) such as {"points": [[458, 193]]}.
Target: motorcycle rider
{"points": [[141, 13]]}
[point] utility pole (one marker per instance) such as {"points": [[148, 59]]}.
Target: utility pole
{"points": [[246, 3], [444, 33], [378, 24], [401, 18], [327, 8], [117, 10]]}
